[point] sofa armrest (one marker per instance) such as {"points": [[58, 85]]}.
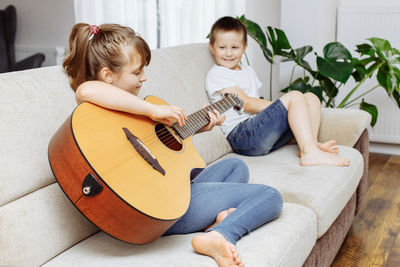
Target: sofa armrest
{"points": [[343, 125]]}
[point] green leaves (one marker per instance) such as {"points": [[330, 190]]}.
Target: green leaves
{"points": [[365, 49], [279, 42], [396, 96], [371, 109], [382, 47], [335, 67], [384, 76], [303, 86], [359, 70], [383, 57], [388, 74], [255, 32], [337, 62]]}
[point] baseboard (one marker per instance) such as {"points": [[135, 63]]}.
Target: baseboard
{"points": [[384, 148]]}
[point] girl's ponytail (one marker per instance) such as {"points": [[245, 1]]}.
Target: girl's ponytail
{"points": [[92, 48], [75, 62]]}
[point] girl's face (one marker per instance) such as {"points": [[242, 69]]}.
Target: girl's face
{"points": [[228, 49], [131, 77]]}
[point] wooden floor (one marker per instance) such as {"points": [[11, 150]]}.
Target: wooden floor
{"points": [[374, 239]]}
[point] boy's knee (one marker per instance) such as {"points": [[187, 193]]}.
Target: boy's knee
{"points": [[312, 98], [295, 93], [290, 96]]}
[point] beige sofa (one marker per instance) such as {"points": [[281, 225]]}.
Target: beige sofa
{"points": [[40, 226]]}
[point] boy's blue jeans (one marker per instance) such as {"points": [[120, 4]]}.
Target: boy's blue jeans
{"points": [[262, 133], [222, 186]]}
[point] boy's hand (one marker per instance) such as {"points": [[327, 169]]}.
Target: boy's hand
{"points": [[251, 105], [168, 114], [215, 119]]}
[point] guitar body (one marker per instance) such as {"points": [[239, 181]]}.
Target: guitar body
{"points": [[111, 183]]}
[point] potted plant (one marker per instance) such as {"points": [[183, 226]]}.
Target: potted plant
{"points": [[334, 68]]}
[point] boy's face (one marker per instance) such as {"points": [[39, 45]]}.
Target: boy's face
{"points": [[228, 48]]}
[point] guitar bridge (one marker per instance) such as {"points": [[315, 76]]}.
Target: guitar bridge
{"points": [[143, 151]]}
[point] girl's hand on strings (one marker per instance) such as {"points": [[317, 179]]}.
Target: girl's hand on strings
{"points": [[215, 119], [168, 114]]}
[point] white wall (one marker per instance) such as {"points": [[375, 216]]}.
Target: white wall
{"points": [[369, 2], [313, 22], [42, 22], [264, 13], [307, 22]]}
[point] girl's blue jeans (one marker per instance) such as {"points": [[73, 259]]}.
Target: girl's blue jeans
{"points": [[262, 133], [222, 186]]}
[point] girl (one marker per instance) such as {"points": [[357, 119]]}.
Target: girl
{"points": [[105, 65]]}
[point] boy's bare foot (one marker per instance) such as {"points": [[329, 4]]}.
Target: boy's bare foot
{"points": [[318, 157], [329, 146], [215, 245], [222, 215]]}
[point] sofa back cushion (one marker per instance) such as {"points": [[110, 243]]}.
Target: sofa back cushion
{"points": [[33, 105], [36, 219]]}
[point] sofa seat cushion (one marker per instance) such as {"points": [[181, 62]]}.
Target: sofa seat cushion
{"points": [[323, 189], [286, 241]]}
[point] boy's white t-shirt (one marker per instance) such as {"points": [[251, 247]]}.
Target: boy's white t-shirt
{"points": [[219, 78]]}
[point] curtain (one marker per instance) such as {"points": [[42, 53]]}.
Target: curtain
{"points": [[161, 23], [140, 15], [190, 21]]}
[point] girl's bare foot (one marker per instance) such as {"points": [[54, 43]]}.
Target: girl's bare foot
{"points": [[318, 157], [215, 245], [222, 215]]}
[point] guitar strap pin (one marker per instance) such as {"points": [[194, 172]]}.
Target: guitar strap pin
{"points": [[91, 186], [86, 190]]}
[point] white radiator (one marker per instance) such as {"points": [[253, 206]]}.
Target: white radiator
{"points": [[354, 26], [54, 55]]}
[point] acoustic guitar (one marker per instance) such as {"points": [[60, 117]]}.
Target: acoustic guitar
{"points": [[126, 173]]}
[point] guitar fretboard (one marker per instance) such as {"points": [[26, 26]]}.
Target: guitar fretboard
{"points": [[200, 119]]}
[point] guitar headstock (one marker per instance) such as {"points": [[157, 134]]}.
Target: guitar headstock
{"points": [[238, 104]]}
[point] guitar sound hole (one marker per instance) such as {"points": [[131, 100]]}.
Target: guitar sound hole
{"points": [[168, 138]]}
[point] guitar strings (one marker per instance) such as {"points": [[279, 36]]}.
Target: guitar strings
{"points": [[168, 139], [221, 106], [189, 126]]}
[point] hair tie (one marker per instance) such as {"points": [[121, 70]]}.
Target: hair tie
{"points": [[94, 30]]}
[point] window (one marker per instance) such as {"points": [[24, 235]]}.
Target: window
{"points": [[161, 23]]}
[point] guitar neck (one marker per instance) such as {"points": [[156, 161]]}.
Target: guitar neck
{"points": [[200, 118]]}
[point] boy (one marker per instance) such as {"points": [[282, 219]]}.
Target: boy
{"points": [[264, 126]]}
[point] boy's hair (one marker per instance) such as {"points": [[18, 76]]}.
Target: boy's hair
{"points": [[90, 51], [228, 24]]}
